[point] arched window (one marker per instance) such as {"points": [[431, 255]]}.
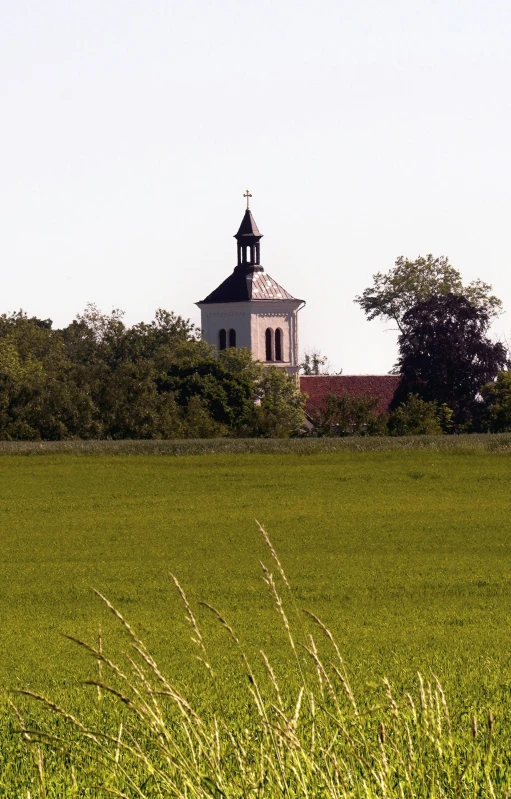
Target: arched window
{"points": [[222, 339], [278, 344], [247, 254], [232, 337], [269, 343]]}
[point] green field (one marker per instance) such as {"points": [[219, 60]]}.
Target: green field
{"points": [[404, 554]]}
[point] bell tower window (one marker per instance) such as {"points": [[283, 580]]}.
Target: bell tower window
{"points": [[222, 339], [232, 337], [278, 344], [269, 343]]}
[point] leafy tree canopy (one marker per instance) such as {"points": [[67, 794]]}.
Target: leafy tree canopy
{"points": [[446, 355], [393, 293]]}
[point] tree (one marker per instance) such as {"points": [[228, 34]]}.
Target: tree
{"points": [[314, 363], [410, 282], [446, 355], [225, 382], [279, 409], [496, 410], [38, 396], [121, 370]]}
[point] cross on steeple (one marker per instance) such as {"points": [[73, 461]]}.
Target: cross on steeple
{"points": [[248, 196]]}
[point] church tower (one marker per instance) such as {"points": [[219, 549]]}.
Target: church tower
{"points": [[249, 309]]}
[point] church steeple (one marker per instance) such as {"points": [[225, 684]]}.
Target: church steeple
{"points": [[249, 308], [248, 238]]}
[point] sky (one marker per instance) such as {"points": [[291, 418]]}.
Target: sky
{"points": [[365, 130]]}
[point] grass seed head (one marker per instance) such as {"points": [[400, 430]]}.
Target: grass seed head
{"points": [[382, 733], [490, 721]]}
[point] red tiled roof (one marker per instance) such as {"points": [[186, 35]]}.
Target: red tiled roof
{"points": [[318, 387]]}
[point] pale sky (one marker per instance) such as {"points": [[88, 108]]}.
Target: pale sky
{"points": [[364, 129]]}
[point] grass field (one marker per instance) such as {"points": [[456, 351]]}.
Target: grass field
{"points": [[404, 554]]}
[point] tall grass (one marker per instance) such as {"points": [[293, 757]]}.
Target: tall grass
{"points": [[302, 734], [301, 446]]}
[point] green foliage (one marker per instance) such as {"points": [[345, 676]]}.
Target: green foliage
{"points": [[279, 409], [38, 396], [226, 384], [100, 379], [346, 416], [496, 410], [416, 417], [314, 363], [409, 282], [446, 355]]}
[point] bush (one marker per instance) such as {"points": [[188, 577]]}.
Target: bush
{"points": [[496, 408], [416, 417], [347, 416]]}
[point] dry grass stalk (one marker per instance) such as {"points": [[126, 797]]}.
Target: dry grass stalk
{"points": [[308, 743], [273, 554]]}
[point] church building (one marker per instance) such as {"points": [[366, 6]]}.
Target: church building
{"points": [[250, 309]]}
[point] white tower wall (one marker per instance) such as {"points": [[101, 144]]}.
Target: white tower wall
{"points": [[250, 320]]}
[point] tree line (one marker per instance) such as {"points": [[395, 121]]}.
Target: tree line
{"points": [[98, 378]]}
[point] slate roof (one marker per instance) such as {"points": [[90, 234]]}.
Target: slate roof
{"points": [[318, 387], [243, 285]]}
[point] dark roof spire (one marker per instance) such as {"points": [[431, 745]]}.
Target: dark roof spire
{"points": [[248, 227], [248, 282]]}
